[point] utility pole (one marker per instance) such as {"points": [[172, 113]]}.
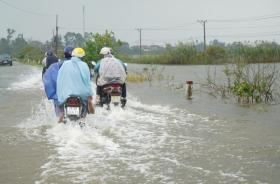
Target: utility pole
{"points": [[84, 24], [204, 31], [53, 43], [56, 35], [140, 41]]}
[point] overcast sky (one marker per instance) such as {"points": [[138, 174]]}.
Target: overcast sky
{"points": [[162, 21]]}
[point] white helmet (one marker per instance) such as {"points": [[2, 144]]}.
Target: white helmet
{"points": [[105, 51], [93, 63]]}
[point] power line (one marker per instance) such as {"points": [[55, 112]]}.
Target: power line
{"points": [[173, 28], [170, 29], [128, 29], [166, 40], [263, 34], [24, 10], [243, 27], [178, 27], [248, 19], [182, 27], [196, 37], [96, 28]]}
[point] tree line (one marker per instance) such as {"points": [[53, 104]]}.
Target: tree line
{"points": [[248, 83], [181, 53]]}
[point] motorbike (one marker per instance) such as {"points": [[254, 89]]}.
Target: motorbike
{"points": [[73, 109], [111, 94]]}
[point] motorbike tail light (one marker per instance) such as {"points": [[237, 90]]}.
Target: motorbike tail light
{"points": [[115, 85], [116, 88], [73, 102], [112, 88]]}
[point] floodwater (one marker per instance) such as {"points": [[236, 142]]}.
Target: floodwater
{"points": [[159, 138]]}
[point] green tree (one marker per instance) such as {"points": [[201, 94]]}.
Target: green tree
{"points": [[18, 44], [10, 33], [74, 39], [215, 54], [4, 45], [97, 41], [31, 54]]}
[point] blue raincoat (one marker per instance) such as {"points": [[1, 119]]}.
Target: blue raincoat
{"points": [[73, 79], [49, 80]]}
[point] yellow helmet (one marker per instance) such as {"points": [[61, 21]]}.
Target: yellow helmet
{"points": [[78, 52]]}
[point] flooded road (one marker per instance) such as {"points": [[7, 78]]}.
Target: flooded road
{"points": [[159, 138]]}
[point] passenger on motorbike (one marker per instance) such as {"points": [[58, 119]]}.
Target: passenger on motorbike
{"points": [[49, 59], [110, 69], [74, 80], [50, 81]]}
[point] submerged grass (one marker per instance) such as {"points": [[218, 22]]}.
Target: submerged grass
{"points": [[137, 77]]}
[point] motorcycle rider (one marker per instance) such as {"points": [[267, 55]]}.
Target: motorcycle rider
{"points": [[48, 60], [74, 79], [110, 69], [50, 80]]}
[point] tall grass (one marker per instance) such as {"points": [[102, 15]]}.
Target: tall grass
{"points": [[187, 53], [135, 77]]}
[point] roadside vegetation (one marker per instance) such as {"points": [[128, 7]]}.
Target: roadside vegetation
{"points": [[182, 53], [249, 73], [188, 53], [247, 83]]}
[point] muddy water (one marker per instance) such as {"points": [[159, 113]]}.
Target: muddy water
{"points": [[159, 138]]}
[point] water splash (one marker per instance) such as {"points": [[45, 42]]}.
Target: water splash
{"points": [[28, 81], [138, 140]]}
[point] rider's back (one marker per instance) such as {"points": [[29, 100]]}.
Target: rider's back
{"points": [[73, 79], [49, 80], [50, 60], [111, 70]]}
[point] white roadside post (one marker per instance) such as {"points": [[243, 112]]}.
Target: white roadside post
{"points": [[189, 89]]}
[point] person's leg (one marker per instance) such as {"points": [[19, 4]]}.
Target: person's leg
{"points": [[124, 90], [98, 90], [123, 95], [59, 111], [98, 93], [84, 109]]}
